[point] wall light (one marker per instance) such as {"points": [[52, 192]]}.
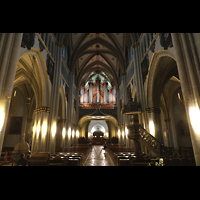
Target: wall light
{"points": [[2, 117], [34, 128], [126, 131], [118, 133], [73, 133], [69, 132], [152, 128], [54, 129], [63, 132], [77, 133], [44, 129], [38, 129], [194, 118], [123, 134]]}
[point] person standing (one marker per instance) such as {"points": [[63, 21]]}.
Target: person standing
{"points": [[22, 161]]}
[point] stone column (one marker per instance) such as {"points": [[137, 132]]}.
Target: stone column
{"points": [[183, 55], [39, 138], [55, 99], [155, 125], [139, 83], [9, 55], [168, 131]]}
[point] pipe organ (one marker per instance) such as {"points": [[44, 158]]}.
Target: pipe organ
{"points": [[97, 92]]}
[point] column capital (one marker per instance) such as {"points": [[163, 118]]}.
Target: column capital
{"points": [[42, 109], [153, 110]]}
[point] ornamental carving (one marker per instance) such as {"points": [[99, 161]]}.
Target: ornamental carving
{"points": [[153, 110], [50, 68], [28, 40], [166, 40], [42, 109]]}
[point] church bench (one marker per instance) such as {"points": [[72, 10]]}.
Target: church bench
{"points": [[39, 159], [116, 150], [73, 162], [56, 160], [123, 162], [80, 151]]}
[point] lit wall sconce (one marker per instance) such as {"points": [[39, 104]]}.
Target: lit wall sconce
{"points": [[2, 117], [63, 132], [44, 129], [123, 134], [152, 128], [118, 133], [73, 134], [194, 114], [126, 131], [34, 128], [69, 132], [54, 129], [38, 129], [77, 134]]}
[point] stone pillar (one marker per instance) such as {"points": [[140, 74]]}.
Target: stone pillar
{"points": [[168, 131], [133, 132], [190, 91], [55, 99], [139, 83], [9, 54], [39, 138], [155, 125]]}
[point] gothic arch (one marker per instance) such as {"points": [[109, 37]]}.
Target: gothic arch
{"points": [[153, 74], [116, 53], [37, 77]]}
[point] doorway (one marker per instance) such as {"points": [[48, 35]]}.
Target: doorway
{"points": [[98, 138]]}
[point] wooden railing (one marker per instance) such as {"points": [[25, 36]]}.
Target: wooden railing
{"points": [[148, 140]]}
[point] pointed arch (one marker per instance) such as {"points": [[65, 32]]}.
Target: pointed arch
{"points": [[38, 76], [151, 76]]}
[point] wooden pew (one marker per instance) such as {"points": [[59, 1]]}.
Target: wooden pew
{"points": [[82, 149], [39, 159]]}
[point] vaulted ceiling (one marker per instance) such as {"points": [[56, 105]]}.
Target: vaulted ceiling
{"points": [[97, 52]]}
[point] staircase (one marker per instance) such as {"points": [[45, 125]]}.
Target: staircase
{"points": [[149, 141]]}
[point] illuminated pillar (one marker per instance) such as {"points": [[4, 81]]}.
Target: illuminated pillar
{"points": [[155, 125], [40, 128], [185, 53], [9, 53]]}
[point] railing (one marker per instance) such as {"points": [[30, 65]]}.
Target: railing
{"points": [[149, 141]]}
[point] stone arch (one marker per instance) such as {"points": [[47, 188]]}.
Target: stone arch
{"points": [[38, 76], [152, 74]]}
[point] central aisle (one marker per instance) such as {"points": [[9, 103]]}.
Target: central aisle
{"points": [[98, 157]]}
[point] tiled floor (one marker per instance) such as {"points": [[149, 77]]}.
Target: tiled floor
{"points": [[98, 157]]}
